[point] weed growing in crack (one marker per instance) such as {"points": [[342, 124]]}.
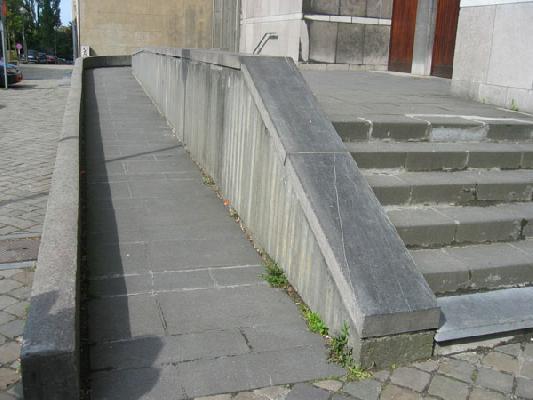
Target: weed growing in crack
{"points": [[314, 321], [274, 275], [341, 353], [207, 180]]}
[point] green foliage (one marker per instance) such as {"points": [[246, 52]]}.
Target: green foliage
{"points": [[40, 22], [514, 106], [314, 321], [340, 353], [274, 275], [207, 180]]}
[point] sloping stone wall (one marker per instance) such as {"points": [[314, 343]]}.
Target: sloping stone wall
{"points": [[253, 124]]}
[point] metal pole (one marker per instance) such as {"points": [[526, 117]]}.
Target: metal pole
{"points": [[2, 30], [24, 48]]}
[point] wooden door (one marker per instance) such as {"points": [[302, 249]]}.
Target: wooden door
{"points": [[445, 32], [402, 35]]}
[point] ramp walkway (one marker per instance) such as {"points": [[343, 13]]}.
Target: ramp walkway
{"points": [[177, 307]]}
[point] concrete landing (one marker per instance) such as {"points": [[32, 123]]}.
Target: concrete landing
{"points": [[384, 105], [177, 306]]}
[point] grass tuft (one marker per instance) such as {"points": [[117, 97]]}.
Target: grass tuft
{"points": [[207, 180], [341, 353], [314, 321], [274, 275]]}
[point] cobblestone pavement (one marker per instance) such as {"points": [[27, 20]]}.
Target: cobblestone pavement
{"points": [[31, 115], [15, 287], [506, 372]]}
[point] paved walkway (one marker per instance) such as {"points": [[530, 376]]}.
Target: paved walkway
{"points": [[392, 97], [31, 114], [178, 308], [503, 373]]}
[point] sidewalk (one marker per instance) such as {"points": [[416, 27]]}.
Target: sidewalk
{"points": [[178, 308], [31, 115]]}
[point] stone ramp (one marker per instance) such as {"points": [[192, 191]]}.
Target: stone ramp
{"points": [[177, 306]]}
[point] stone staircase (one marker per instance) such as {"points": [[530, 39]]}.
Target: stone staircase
{"points": [[465, 212]]}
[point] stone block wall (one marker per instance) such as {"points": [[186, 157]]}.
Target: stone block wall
{"points": [[493, 60], [355, 32]]}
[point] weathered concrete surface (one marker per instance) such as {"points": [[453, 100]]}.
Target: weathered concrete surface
{"points": [[483, 314], [504, 372], [120, 27], [50, 354], [303, 187], [178, 308], [490, 54], [50, 351]]}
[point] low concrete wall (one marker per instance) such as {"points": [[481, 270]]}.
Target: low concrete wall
{"points": [[493, 53], [255, 126], [50, 355]]}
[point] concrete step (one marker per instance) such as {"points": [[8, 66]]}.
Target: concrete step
{"points": [[431, 227], [477, 267], [424, 156], [433, 128], [393, 186], [482, 314]]}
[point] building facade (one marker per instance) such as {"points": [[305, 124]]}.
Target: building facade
{"points": [[482, 44], [494, 53], [121, 26]]}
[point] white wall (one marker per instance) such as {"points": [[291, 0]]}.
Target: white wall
{"points": [[494, 54], [283, 17]]}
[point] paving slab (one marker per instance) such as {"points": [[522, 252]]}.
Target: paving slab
{"points": [[177, 308], [402, 107]]}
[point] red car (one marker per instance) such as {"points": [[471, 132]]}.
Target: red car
{"points": [[51, 59]]}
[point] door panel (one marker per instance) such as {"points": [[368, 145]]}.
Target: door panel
{"points": [[445, 32], [402, 35]]}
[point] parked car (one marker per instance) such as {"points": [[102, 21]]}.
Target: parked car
{"points": [[32, 57], [61, 60], [41, 58], [14, 75], [51, 59]]}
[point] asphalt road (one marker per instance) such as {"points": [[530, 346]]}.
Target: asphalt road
{"points": [[45, 72]]}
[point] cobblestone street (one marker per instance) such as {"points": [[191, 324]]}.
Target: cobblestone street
{"points": [[31, 114], [503, 373], [30, 122]]}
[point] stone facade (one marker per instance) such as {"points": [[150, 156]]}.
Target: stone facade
{"points": [[320, 31], [349, 32], [121, 26], [493, 53]]}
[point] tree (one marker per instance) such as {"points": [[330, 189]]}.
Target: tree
{"points": [[21, 17], [48, 21], [40, 20], [64, 41]]}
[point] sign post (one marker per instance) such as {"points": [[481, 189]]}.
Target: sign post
{"points": [[3, 32]]}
